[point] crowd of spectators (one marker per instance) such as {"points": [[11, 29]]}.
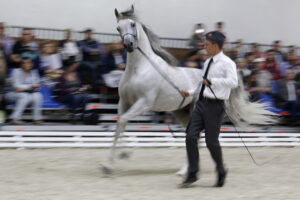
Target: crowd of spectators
{"points": [[271, 75], [70, 69], [73, 69]]}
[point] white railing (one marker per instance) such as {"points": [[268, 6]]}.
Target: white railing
{"points": [[19, 139]]}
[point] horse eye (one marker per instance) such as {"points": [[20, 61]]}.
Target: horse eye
{"points": [[118, 29], [132, 25]]}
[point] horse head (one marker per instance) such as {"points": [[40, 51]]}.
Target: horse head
{"points": [[127, 29]]}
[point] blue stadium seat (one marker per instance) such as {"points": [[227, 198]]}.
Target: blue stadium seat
{"points": [[268, 99], [48, 101]]}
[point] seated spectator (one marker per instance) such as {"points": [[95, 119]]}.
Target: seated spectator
{"points": [[249, 56], [25, 47], [292, 50], [241, 65], [2, 82], [290, 61], [25, 84], [69, 48], [91, 67], [288, 96], [254, 48], [51, 64], [115, 65], [297, 72], [116, 58], [71, 92], [197, 60], [6, 43], [260, 80], [263, 76], [233, 53], [272, 66], [239, 49]]}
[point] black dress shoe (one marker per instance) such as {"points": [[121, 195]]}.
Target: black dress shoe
{"points": [[188, 181], [221, 178]]}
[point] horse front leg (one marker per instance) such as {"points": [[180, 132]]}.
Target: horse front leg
{"points": [[136, 109]]}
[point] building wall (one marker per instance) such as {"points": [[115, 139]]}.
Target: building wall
{"points": [[252, 20]]}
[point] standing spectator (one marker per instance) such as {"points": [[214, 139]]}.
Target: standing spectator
{"points": [[220, 27], [25, 47], [25, 84], [71, 92], [272, 66], [69, 48], [51, 64], [197, 39], [288, 93], [6, 43], [278, 54], [91, 67]]}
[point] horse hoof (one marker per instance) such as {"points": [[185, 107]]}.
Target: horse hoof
{"points": [[181, 173], [106, 170], [125, 155]]}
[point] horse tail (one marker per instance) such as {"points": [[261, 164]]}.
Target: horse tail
{"points": [[242, 112]]}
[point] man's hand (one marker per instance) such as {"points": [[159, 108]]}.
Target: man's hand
{"points": [[206, 82], [36, 85], [184, 93]]}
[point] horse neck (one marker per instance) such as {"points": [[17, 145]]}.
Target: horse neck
{"points": [[144, 44]]}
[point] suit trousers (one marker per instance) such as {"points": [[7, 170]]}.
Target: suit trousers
{"points": [[207, 115]]}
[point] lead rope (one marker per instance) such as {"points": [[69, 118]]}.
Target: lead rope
{"points": [[163, 75], [250, 154]]}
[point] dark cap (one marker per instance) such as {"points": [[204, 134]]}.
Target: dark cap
{"points": [[215, 36], [88, 30]]}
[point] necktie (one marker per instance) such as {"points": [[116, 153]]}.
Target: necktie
{"points": [[204, 77]]}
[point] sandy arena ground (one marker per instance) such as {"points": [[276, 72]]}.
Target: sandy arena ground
{"points": [[73, 174]]}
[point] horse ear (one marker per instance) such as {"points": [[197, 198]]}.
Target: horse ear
{"points": [[132, 8], [117, 13]]}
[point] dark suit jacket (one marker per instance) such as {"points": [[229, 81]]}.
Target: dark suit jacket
{"points": [[281, 96]]}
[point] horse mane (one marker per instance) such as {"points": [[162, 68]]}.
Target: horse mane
{"points": [[153, 39]]}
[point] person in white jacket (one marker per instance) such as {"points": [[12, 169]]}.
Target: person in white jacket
{"points": [[25, 84]]}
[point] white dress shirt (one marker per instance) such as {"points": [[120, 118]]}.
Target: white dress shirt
{"points": [[222, 75]]}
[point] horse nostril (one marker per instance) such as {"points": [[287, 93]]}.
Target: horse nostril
{"points": [[131, 44]]}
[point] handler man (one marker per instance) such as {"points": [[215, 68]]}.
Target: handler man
{"points": [[219, 78]]}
